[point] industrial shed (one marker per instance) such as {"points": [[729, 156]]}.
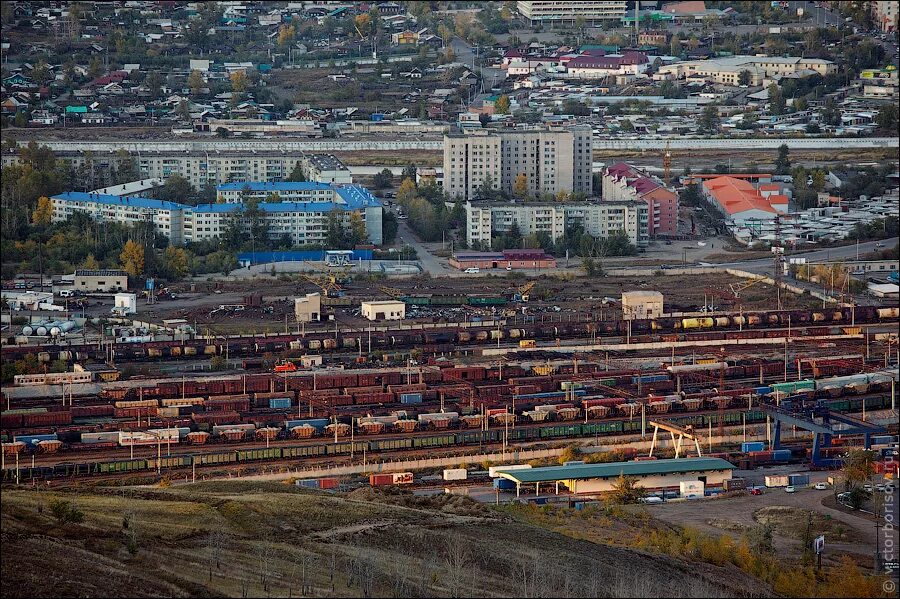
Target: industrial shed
{"points": [[600, 478]]}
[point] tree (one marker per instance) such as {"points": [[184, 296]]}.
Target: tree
{"points": [[41, 73], [887, 117], [776, 100], [358, 233], [95, 67], [154, 83], [90, 263], [383, 179], [830, 113], [363, 24], [818, 179], [407, 191], [501, 106], [520, 185], [709, 120], [286, 34], [43, 212], [195, 82], [176, 262], [297, 175], [744, 77], [389, 227], [675, 46], [239, 82], [782, 161], [409, 172], [132, 258], [175, 189], [183, 111], [21, 119], [625, 490]]}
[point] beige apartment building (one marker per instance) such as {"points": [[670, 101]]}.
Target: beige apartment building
{"points": [[552, 159], [727, 70], [589, 10]]}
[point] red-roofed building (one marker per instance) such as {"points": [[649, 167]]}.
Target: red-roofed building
{"points": [[589, 66], [622, 181], [739, 201]]}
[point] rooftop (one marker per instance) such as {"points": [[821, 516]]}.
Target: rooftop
{"points": [[100, 273], [127, 189], [326, 162], [269, 186], [115, 200], [615, 469]]}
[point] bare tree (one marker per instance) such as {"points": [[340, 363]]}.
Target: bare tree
{"points": [[215, 541], [457, 560]]}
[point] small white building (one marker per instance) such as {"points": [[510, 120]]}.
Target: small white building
{"points": [[308, 308], [384, 310], [126, 303], [641, 305]]}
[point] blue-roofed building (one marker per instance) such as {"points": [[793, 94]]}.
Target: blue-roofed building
{"points": [[167, 216], [302, 214]]}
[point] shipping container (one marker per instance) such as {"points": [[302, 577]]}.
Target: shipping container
{"points": [[735, 484], [777, 481], [456, 474], [753, 446], [798, 480]]}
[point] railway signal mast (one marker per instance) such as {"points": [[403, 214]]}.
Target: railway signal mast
{"points": [[778, 251]]}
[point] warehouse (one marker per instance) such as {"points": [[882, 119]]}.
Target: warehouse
{"points": [[601, 478], [383, 310]]}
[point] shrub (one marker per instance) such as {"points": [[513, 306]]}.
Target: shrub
{"points": [[65, 512]]}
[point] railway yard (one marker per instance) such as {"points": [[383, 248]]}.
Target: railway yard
{"points": [[434, 393]]}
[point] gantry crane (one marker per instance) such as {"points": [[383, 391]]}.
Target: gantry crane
{"points": [[737, 289]]}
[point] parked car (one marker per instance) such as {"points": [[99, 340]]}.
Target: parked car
{"points": [[755, 491], [821, 486], [790, 489], [472, 270]]}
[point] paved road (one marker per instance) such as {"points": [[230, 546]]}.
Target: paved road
{"points": [[847, 252]]}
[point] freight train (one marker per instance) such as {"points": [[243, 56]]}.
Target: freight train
{"points": [[667, 329], [446, 439]]}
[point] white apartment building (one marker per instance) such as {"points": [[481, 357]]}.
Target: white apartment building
{"points": [[600, 219], [306, 191], [727, 70], [167, 216], [552, 159], [203, 169], [303, 220], [554, 10]]}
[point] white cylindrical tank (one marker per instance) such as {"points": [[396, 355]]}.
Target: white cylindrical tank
{"points": [[67, 326], [28, 330], [41, 331]]}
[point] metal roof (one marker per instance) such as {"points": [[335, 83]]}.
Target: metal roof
{"points": [[614, 469], [273, 186], [99, 198]]}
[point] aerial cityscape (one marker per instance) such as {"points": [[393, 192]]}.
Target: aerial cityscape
{"points": [[589, 298]]}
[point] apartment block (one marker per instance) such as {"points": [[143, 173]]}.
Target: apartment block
{"points": [[470, 159], [302, 218], [621, 182], [601, 219], [552, 159], [167, 216], [204, 169], [590, 10]]}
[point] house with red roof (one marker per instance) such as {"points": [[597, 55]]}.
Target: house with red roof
{"points": [[740, 202], [621, 182]]}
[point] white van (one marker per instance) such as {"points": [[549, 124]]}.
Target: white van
{"points": [[67, 293], [472, 270]]}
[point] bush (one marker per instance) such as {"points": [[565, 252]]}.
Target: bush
{"points": [[65, 512]]}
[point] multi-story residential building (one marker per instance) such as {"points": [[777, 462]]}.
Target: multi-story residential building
{"points": [[621, 181], [307, 191], [601, 219], [469, 160], [204, 169], [326, 168], [167, 216], [302, 214], [304, 221], [552, 160], [885, 13], [728, 70], [556, 11]]}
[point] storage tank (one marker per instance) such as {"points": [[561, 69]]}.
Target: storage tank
{"points": [[28, 330], [41, 331]]}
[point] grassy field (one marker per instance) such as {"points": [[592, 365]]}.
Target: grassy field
{"points": [[266, 539]]}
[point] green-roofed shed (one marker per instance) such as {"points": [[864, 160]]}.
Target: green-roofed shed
{"points": [[599, 478]]}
